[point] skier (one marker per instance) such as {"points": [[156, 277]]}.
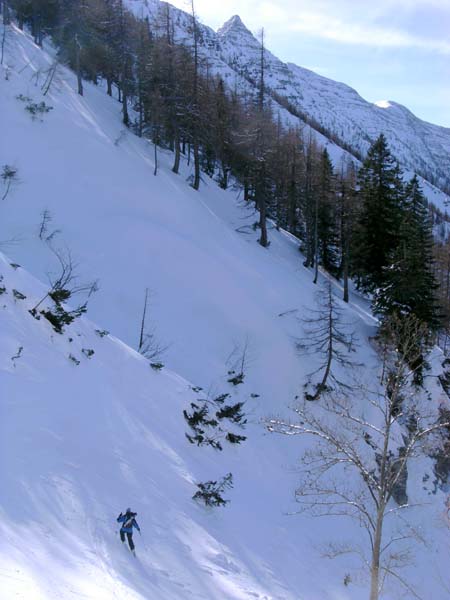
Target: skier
{"points": [[128, 522]]}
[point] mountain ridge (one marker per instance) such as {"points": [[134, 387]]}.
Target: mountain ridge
{"points": [[335, 111]]}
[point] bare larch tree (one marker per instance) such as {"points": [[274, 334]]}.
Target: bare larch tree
{"points": [[327, 337], [357, 462]]}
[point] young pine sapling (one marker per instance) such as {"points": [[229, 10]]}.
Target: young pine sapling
{"points": [[210, 420]]}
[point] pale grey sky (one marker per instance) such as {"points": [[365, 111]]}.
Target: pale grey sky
{"points": [[386, 49]]}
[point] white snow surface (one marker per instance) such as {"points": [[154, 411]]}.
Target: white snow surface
{"points": [[78, 444]]}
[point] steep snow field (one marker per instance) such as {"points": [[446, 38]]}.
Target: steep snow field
{"points": [[80, 443]]}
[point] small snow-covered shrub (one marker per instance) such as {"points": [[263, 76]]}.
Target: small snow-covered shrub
{"points": [[9, 178], [74, 360], [210, 418], [101, 332], [36, 109], [236, 378], [18, 295], [59, 317], [210, 493], [157, 366]]}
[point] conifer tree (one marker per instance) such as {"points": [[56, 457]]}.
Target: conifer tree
{"points": [[346, 198], [294, 172], [409, 286], [125, 58], [195, 100], [261, 158], [309, 199], [326, 218], [378, 224]]}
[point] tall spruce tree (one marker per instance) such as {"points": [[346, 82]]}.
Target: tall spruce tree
{"points": [[327, 224], [409, 286], [380, 190], [347, 207]]}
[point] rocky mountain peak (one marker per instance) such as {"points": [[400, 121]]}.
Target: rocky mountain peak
{"points": [[233, 25]]}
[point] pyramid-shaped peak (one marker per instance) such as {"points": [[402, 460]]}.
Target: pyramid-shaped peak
{"points": [[233, 25]]}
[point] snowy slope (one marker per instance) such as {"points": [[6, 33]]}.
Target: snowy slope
{"points": [[329, 107], [80, 443]]}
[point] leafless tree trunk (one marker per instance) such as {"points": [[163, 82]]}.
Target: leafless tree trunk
{"points": [[292, 196], [238, 361], [155, 157], [261, 175], [149, 344], [176, 162], [195, 141], [78, 65], [50, 77], [144, 314], [347, 216], [375, 450], [9, 178], [316, 238], [6, 22], [261, 200]]}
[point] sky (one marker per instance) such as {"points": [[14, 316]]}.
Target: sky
{"points": [[386, 49]]}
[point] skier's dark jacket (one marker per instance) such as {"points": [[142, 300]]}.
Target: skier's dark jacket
{"points": [[129, 520]]}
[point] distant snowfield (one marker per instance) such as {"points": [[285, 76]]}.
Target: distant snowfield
{"points": [[78, 444], [383, 104]]}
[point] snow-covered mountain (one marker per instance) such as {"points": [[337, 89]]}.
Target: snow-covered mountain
{"points": [[80, 442], [340, 110], [341, 117]]}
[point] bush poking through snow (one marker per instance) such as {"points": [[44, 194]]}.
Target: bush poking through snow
{"points": [[206, 421], [9, 178], [59, 295], [18, 295], [44, 234], [59, 317], [236, 379], [36, 109], [23, 98], [149, 344], [88, 352], [101, 332], [157, 366], [238, 362], [63, 288], [74, 360], [211, 492], [17, 355]]}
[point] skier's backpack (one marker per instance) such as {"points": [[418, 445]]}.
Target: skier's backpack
{"points": [[129, 520]]}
